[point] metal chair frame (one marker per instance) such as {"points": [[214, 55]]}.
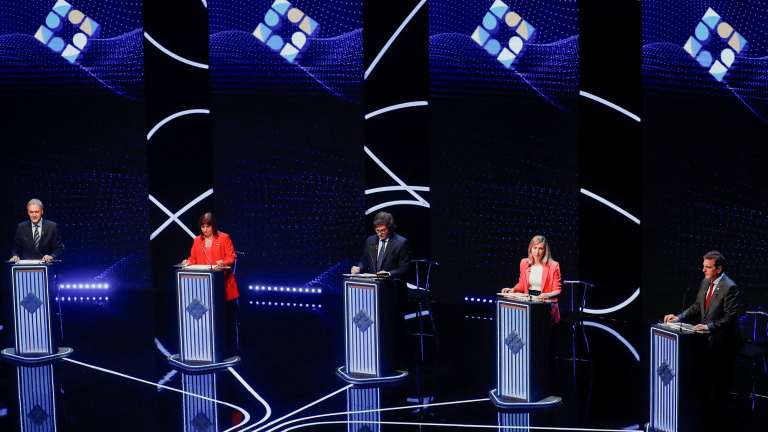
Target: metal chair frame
{"points": [[425, 300]]}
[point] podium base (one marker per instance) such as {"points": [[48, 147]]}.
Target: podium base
{"points": [[201, 366], [35, 359], [365, 379], [516, 404]]}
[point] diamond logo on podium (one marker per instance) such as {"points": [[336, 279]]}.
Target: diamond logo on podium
{"points": [[197, 309], [362, 320], [665, 373], [201, 423], [514, 342], [38, 416], [31, 303]]}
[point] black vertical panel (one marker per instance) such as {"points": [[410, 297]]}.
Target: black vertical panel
{"points": [[399, 138], [180, 153], [610, 152]]}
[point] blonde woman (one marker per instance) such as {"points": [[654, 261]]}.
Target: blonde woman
{"points": [[539, 274]]}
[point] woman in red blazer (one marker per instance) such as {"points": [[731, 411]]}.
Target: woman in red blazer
{"points": [[546, 272], [215, 248]]}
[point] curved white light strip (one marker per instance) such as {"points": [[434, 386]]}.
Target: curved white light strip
{"points": [[205, 3], [175, 217], [454, 425], [298, 410], [246, 416], [396, 107], [394, 177], [609, 104], [377, 410], [177, 57], [171, 117], [616, 334], [392, 39], [396, 188], [169, 376], [256, 395], [394, 203], [611, 205], [615, 308], [162, 348]]}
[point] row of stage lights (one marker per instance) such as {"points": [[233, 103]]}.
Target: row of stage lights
{"points": [[479, 318], [307, 305], [284, 289], [84, 286], [479, 300], [83, 298]]}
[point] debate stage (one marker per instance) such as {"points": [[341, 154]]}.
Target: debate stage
{"points": [[118, 377]]}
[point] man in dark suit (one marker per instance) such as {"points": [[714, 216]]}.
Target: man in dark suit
{"points": [[389, 255], [385, 253], [37, 239], [716, 309]]}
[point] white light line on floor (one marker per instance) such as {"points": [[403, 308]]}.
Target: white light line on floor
{"points": [[611, 205], [527, 428], [378, 410], [609, 104], [298, 410], [177, 57], [616, 334], [396, 107], [392, 39], [246, 416], [256, 395], [615, 308], [173, 116]]}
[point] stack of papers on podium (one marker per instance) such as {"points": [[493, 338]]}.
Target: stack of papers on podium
{"points": [[29, 262], [365, 275], [200, 267]]}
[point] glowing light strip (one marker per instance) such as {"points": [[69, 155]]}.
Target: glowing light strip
{"points": [[205, 3], [616, 334], [298, 410], [609, 104], [256, 395], [175, 217], [396, 107], [394, 203], [246, 416], [396, 188], [162, 348], [416, 314], [377, 410], [177, 57], [392, 39], [394, 177], [460, 425], [169, 376], [615, 308], [171, 117], [611, 205]]}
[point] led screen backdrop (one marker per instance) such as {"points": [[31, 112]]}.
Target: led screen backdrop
{"points": [[705, 109], [71, 82], [504, 129], [288, 136]]}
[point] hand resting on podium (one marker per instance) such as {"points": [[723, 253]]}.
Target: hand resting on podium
{"points": [[672, 318], [356, 270]]}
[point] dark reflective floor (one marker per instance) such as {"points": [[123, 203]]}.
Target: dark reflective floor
{"points": [[118, 378]]}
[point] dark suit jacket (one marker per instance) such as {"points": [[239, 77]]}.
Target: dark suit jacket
{"points": [[722, 315], [397, 256], [50, 241]]}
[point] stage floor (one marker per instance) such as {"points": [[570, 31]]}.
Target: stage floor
{"points": [[118, 378]]}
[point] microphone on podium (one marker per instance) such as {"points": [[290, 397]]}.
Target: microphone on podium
{"points": [[202, 245]]}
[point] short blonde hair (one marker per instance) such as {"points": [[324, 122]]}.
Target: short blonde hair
{"points": [[547, 259]]}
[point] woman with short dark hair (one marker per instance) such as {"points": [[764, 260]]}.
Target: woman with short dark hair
{"points": [[213, 247]]}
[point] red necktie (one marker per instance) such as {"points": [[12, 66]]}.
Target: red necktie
{"points": [[709, 296]]}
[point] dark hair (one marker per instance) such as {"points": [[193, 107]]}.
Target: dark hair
{"points": [[209, 219], [718, 257], [384, 218]]}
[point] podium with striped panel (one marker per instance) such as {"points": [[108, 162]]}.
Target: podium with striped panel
{"points": [[201, 321], [35, 316]]}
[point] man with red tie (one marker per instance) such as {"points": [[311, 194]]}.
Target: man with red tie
{"points": [[716, 309]]}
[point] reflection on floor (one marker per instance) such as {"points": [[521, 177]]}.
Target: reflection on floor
{"points": [[118, 379]]}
